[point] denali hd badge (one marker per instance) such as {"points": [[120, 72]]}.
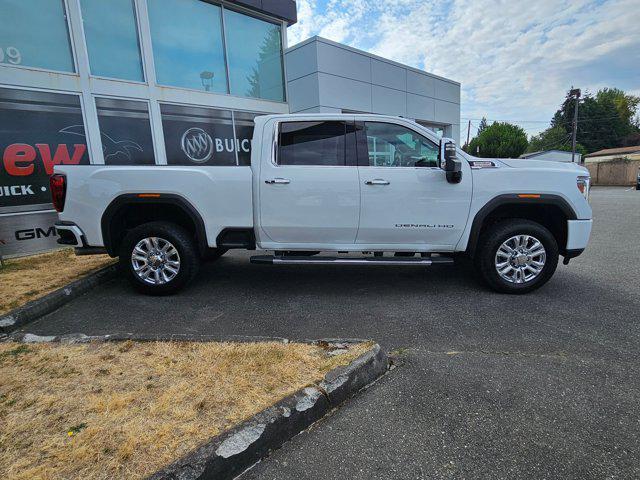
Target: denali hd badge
{"points": [[197, 145], [423, 225]]}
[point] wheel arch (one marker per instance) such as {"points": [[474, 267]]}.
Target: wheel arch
{"points": [[551, 211], [132, 209]]}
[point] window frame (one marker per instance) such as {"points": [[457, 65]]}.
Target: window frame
{"points": [[152, 49], [350, 149], [283, 42], [223, 6], [143, 63], [147, 101], [214, 107], [46, 207], [363, 147], [206, 107], [74, 54]]}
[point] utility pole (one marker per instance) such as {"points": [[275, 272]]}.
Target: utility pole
{"points": [[468, 131], [575, 92]]}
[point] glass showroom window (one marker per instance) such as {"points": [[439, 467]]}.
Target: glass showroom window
{"points": [[187, 44], [34, 33], [125, 132], [39, 130], [198, 136], [254, 50], [112, 39]]}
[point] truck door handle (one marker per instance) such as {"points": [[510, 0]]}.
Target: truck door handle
{"points": [[279, 181], [377, 181]]}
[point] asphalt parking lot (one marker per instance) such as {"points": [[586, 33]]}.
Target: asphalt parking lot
{"points": [[545, 385]]}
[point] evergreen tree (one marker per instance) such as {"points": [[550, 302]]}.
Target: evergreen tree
{"points": [[483, 125]]}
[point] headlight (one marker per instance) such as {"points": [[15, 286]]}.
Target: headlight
{"points": [[584, 182]]}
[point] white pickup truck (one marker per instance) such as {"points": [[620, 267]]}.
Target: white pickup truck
{"points": [[331, 189]]}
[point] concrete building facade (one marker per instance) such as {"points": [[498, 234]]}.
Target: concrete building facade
{"points": [[325, 76], [128, 82]]}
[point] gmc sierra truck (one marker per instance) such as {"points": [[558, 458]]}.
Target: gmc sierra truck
{"points": [[331, 189]]}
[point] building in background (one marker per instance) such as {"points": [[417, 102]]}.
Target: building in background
{"points": [[325, 76], [608, 154], [128, 82], [553, 155], [614, 166], [170, 82]]}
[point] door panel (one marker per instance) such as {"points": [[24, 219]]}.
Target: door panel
{"points": [[416, 207], [310, 195], [405, 204]]}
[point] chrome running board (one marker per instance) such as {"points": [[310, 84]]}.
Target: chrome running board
{"points": [[319, 260]]}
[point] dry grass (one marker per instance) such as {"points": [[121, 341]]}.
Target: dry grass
{"points": [[125, 410], [27, 278]]}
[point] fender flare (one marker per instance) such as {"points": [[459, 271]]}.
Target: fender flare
{"points": [[164, 199], [514, 199]]}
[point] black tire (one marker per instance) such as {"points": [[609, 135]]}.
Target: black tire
{"points": [[179, 238], [491, 240]]}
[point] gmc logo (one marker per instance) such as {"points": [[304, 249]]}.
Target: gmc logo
{"points": [[33, 233], [19, 158]]}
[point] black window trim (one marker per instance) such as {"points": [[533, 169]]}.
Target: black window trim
{"points": [[363, 148], [350, 142]]}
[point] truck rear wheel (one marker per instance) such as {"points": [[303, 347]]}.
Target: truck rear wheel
{"points": [[159, 258], [516, 256]]}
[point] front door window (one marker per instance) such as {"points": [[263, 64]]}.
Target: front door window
{"points": [[392, 145]]}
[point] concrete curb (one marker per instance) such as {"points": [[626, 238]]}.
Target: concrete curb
{"points": [[231, 453], [54, 300], [228, 455]]}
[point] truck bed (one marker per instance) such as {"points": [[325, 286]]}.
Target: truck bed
{"points": [[221, 195]]}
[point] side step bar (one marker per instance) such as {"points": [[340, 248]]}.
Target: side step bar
{"points": [[295, 260]]}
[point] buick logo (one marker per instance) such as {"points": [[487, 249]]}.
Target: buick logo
{"points": [[197, 145]]}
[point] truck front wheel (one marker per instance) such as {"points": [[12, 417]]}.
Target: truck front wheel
{"points": [[516, 256], [159, 258]]}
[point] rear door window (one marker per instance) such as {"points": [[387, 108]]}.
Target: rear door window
{"points": [[312, 143]]}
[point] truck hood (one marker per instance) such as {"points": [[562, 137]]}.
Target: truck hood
{"points": [[543, 164]]}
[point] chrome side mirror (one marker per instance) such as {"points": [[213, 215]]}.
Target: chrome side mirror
{"points": [[447, 151]]}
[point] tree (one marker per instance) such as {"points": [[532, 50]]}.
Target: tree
{"points": [[604, 120], [553, 138], [499, 140], [631, 140], [483, 125]]}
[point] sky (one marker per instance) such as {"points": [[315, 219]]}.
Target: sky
{"points": [[514, 59]]}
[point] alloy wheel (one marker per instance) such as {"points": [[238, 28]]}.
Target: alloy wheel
{"points": [[520, 259], [155, 260]]}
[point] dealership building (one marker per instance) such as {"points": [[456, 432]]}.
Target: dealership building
{"points": [[170, 82]]}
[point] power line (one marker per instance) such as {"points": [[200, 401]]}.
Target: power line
{"points": [[595, 119]]}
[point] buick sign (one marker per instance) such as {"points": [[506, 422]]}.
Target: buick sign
{"points": [[197, 145]]}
